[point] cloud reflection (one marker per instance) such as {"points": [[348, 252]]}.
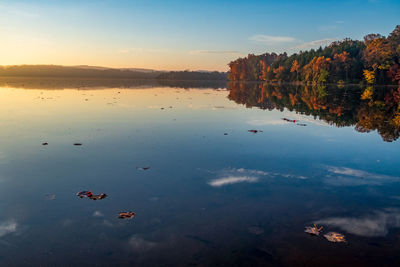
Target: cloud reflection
{"points": [[343, 176], [241, 175], [376, 224], [7, 227], [232, 180]]}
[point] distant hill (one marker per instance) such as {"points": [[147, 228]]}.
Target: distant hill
{"points": [[76, 72], [193, 76], [85, 71]]}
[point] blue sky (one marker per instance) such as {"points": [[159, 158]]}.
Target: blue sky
{"points": [[179, 34]]}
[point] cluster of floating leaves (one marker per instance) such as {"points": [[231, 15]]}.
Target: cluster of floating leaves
{"points": [[90, 195], [46, 144], [331, 236], [294, 121]]}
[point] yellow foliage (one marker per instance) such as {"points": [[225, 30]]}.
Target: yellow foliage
{"points": [[369, 76], [396, 120], [367, 94]]}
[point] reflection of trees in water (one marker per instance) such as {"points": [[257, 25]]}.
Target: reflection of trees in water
{"points": [[55, 83], [368, 108]]}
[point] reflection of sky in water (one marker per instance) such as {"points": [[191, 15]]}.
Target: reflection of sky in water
{"points": [[208, 198]]}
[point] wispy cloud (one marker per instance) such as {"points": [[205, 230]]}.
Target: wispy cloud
{"points": [[315, 43], [376, 224], [356, 173], [232, 180], [343, 176], [241, 175], [269, 39], [7, 227], [217, 52]]}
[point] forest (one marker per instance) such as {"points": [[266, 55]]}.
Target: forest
{"points": [[375, 60]]}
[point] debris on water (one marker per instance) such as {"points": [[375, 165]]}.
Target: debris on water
{"points": [[77, 144], [225, 133], [255, 131], [301, 124], [50, 196], [289, 120], [98, 197], [335, 237], [45, 144], [126, 215], [90, 195], [313, 230], [142, 168], [84, 194]]}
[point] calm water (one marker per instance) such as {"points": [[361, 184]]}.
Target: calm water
{"points": [[215, 194]]}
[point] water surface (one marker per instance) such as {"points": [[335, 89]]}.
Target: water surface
{"points": [[215, 193]]}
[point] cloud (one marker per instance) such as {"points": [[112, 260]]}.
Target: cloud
{"points": [[232, 180], [269, 39], [356, 173], [316, 43], [7, 227], [241, 175], [376, 224], [218, 52], [344, 176]]}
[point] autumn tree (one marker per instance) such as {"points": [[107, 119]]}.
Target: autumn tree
{"points": [[295, 68]]}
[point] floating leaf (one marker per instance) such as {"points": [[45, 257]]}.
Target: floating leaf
{"points": [[84, 194], [335, 237], [98, 197], [313, 230], [126, 215], [254, 131], [289, 120]]}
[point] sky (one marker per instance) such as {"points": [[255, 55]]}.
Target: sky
{"points": [[179, 35]]}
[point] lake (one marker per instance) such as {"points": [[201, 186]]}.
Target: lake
{"points": [[215, 193]]}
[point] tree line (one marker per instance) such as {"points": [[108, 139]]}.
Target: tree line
{"points": [[375, 60]]}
